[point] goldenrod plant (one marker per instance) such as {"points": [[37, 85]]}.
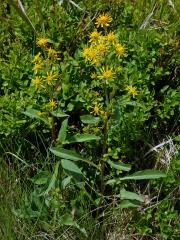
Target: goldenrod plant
{"points": [[89, 120]]}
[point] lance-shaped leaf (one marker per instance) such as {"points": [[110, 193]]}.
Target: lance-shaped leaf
{"points": [[53, 179], [146, 174], [130, 195], [82, 138], [120, 166], [33, 113], [71, 167], [59, 114], [66, 181], [41, 178], [129, 204], [62, 132], [66, 154], [89, 119]]}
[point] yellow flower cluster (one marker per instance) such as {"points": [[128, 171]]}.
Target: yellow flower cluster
{"points": [[102, 45], [90, 54], [40, 64], [45, 73], [49, 79]]}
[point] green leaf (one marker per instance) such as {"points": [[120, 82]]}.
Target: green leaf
{"points": [[33, 113], [70, 106], [66, 181], [66, 154], [83, 138], [146, 174], [129, 204], [62, 133], [53, 179], [41, 178], [67, 220], [120, 166], [130, 195], [117, 113], [177, 138], [59, 114], [111, 182], [70, 166], [26, 213], [89, 119], [70, 155]]}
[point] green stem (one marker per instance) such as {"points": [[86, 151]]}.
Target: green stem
{"points": [[104, 151]]}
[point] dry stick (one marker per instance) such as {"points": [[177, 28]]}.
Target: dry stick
{"points": [[90, 21], [171, 4], [147, 19], [76, 5], [21, 11]]}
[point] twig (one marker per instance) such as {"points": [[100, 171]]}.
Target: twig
{"points": [[147, 19]]}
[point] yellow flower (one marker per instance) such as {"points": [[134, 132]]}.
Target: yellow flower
{"points": [[103, 20], [42, 42], [97, 109], [106, 73], [52, 54], [101, 48], [111, 38], [37, 81], [37, 66], [132, 90], [37, 58], [94, 75], [51, 77], [52, 104], [94, 36], [90, 55], [120, 50]]}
